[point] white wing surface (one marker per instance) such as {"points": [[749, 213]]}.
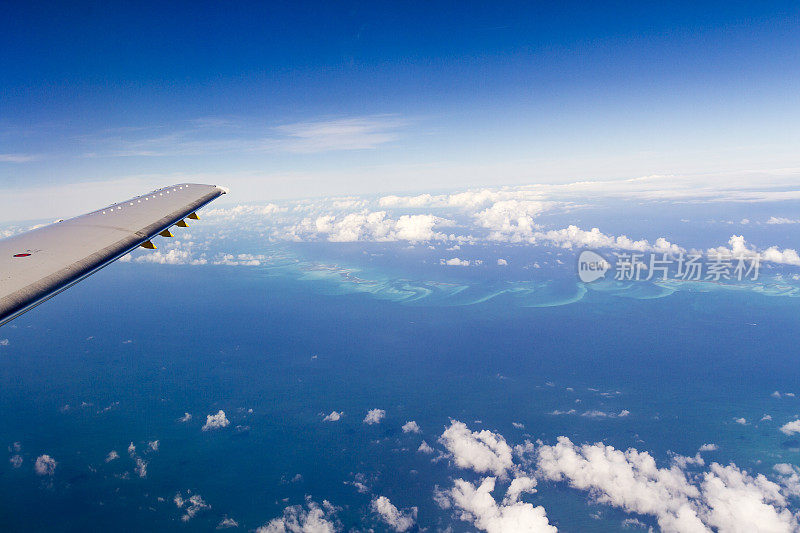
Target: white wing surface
{"points": [[40, 263]]}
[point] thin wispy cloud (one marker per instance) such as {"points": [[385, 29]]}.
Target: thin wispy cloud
{"points": [[18, 158], [361, 133], [210, 135]]}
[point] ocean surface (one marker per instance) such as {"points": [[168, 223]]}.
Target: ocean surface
{"points": [[115, 363]]}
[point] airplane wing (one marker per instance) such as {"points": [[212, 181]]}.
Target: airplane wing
{"points": [[38, 264]]}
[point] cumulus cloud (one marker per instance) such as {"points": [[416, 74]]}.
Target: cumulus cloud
{"points": [[475, 504], [574, 237], [227, 523], [311, 518], [455, 261], [482, 451], [171, 257], [511, 220], [4, 342], [782, 220], [603, 414], [422, 200], [411, 427], [216, 421], [112, 455], [374, 416], [528, 202], [392, 516], [367, 225], [334, 416], [709, 447], [789, 478], [424, 447], [191, 505], [45, 465], [680, 497], [790, 428], [238, 259], [738, 247], [15, 460], [723, 499], [141, 467], [185, 418]]}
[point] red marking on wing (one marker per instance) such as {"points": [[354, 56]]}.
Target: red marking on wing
{"points": [[21, 255]]}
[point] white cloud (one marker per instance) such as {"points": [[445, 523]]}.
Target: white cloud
{"points": [[334, 416], [365, 226], [311, 518], [574, 237], [196, 138], [112, 455], [231, 213], [237, 259], [15, 460], [455, 261], [227, 523], [789, 478], [740, 420], [4, 342], [18, 158], [710, 447], [482, 451], [417, 228], [154, 445], [216, 421], [356, 133], [738, 247], [45, 465], [476, 504], [782, 220], [411, 427], [392, 516], [511, 220], [174, 256], [374, 416], [604, 414], [735, 501], [423, 200], [141, 467], [191, 505], [185, 418], [424, 447], [502, 262], [790, 428], [724, 498]]}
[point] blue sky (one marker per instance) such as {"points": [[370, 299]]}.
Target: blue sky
{"points": [[283, 100]]}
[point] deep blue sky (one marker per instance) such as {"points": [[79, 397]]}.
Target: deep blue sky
{"points": [[410, 95]]}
